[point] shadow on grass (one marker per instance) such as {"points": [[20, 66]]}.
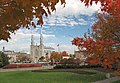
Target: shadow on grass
{"points": [[78, 71]]}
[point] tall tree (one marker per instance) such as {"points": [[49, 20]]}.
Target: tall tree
{"points": [[104, 43], [4, 60]]}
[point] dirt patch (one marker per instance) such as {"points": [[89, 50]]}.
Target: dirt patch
{"points": [[78, 71]]}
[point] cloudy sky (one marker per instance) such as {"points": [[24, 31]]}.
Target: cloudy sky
{"points": [[59, 28]]}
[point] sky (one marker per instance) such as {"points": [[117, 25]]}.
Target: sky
{"points": [[61, 27]]}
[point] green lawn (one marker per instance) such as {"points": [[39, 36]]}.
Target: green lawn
{"points": [[116, 81], [48, 77]]}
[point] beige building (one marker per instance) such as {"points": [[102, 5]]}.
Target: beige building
{"points": [[80, 54], [65, 57], [11, 55]]}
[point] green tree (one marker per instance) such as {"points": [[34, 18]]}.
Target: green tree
{"points": [[71, 55], [3, 59], [41, 58]]}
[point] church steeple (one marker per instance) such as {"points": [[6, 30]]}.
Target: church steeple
{"points": [[41, 42], [41, 36], [32, 40]]}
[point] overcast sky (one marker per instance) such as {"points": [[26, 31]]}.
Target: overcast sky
{"points": [[59, 28]]}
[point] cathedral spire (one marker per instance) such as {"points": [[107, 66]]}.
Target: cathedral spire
{"points": [[41, 42], [41, 36], [32, 40]]}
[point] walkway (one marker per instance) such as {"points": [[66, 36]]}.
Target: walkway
{"points": [[110, 80], [25, 69]]}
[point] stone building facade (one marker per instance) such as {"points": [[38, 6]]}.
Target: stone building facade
{"points": [[37, 51], [80, 54]]}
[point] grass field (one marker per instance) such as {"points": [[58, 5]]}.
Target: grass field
{"points": [[49, 77], [116, 81]]}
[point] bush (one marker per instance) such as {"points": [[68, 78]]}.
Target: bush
{"points": [[74, 66], [73, 63], [64, 61]]}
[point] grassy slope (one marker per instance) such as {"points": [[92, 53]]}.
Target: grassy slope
{"points": [[48, 77]]}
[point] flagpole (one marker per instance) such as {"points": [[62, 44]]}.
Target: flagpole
{"points": [[58, 48]]}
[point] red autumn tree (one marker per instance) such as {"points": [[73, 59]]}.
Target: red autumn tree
{"points": [[100, 52], [112, 7], [58, 56], [64, 53], [55, 56], [104, 45], [105, 40], [107, 29]]}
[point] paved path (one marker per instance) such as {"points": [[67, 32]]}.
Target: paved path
{"points": [[110, 80], [24, 69]]}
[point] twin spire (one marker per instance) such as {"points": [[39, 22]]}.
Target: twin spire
{"points": [[41, 38]]}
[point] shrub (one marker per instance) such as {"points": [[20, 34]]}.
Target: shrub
{"points": [[74, 63], [73, 66], [63, 61]]}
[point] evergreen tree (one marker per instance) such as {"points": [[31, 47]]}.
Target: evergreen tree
{"points": [[3, 59]]}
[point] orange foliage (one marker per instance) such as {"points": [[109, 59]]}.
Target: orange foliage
{"points": [[58, 56], [64, 53], [105, 40], [20, 13], [55, 55], [101, 52], [110, 6], [94, 60]]}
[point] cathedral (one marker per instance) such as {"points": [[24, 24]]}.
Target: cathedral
{"points": [[36, 51]]}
